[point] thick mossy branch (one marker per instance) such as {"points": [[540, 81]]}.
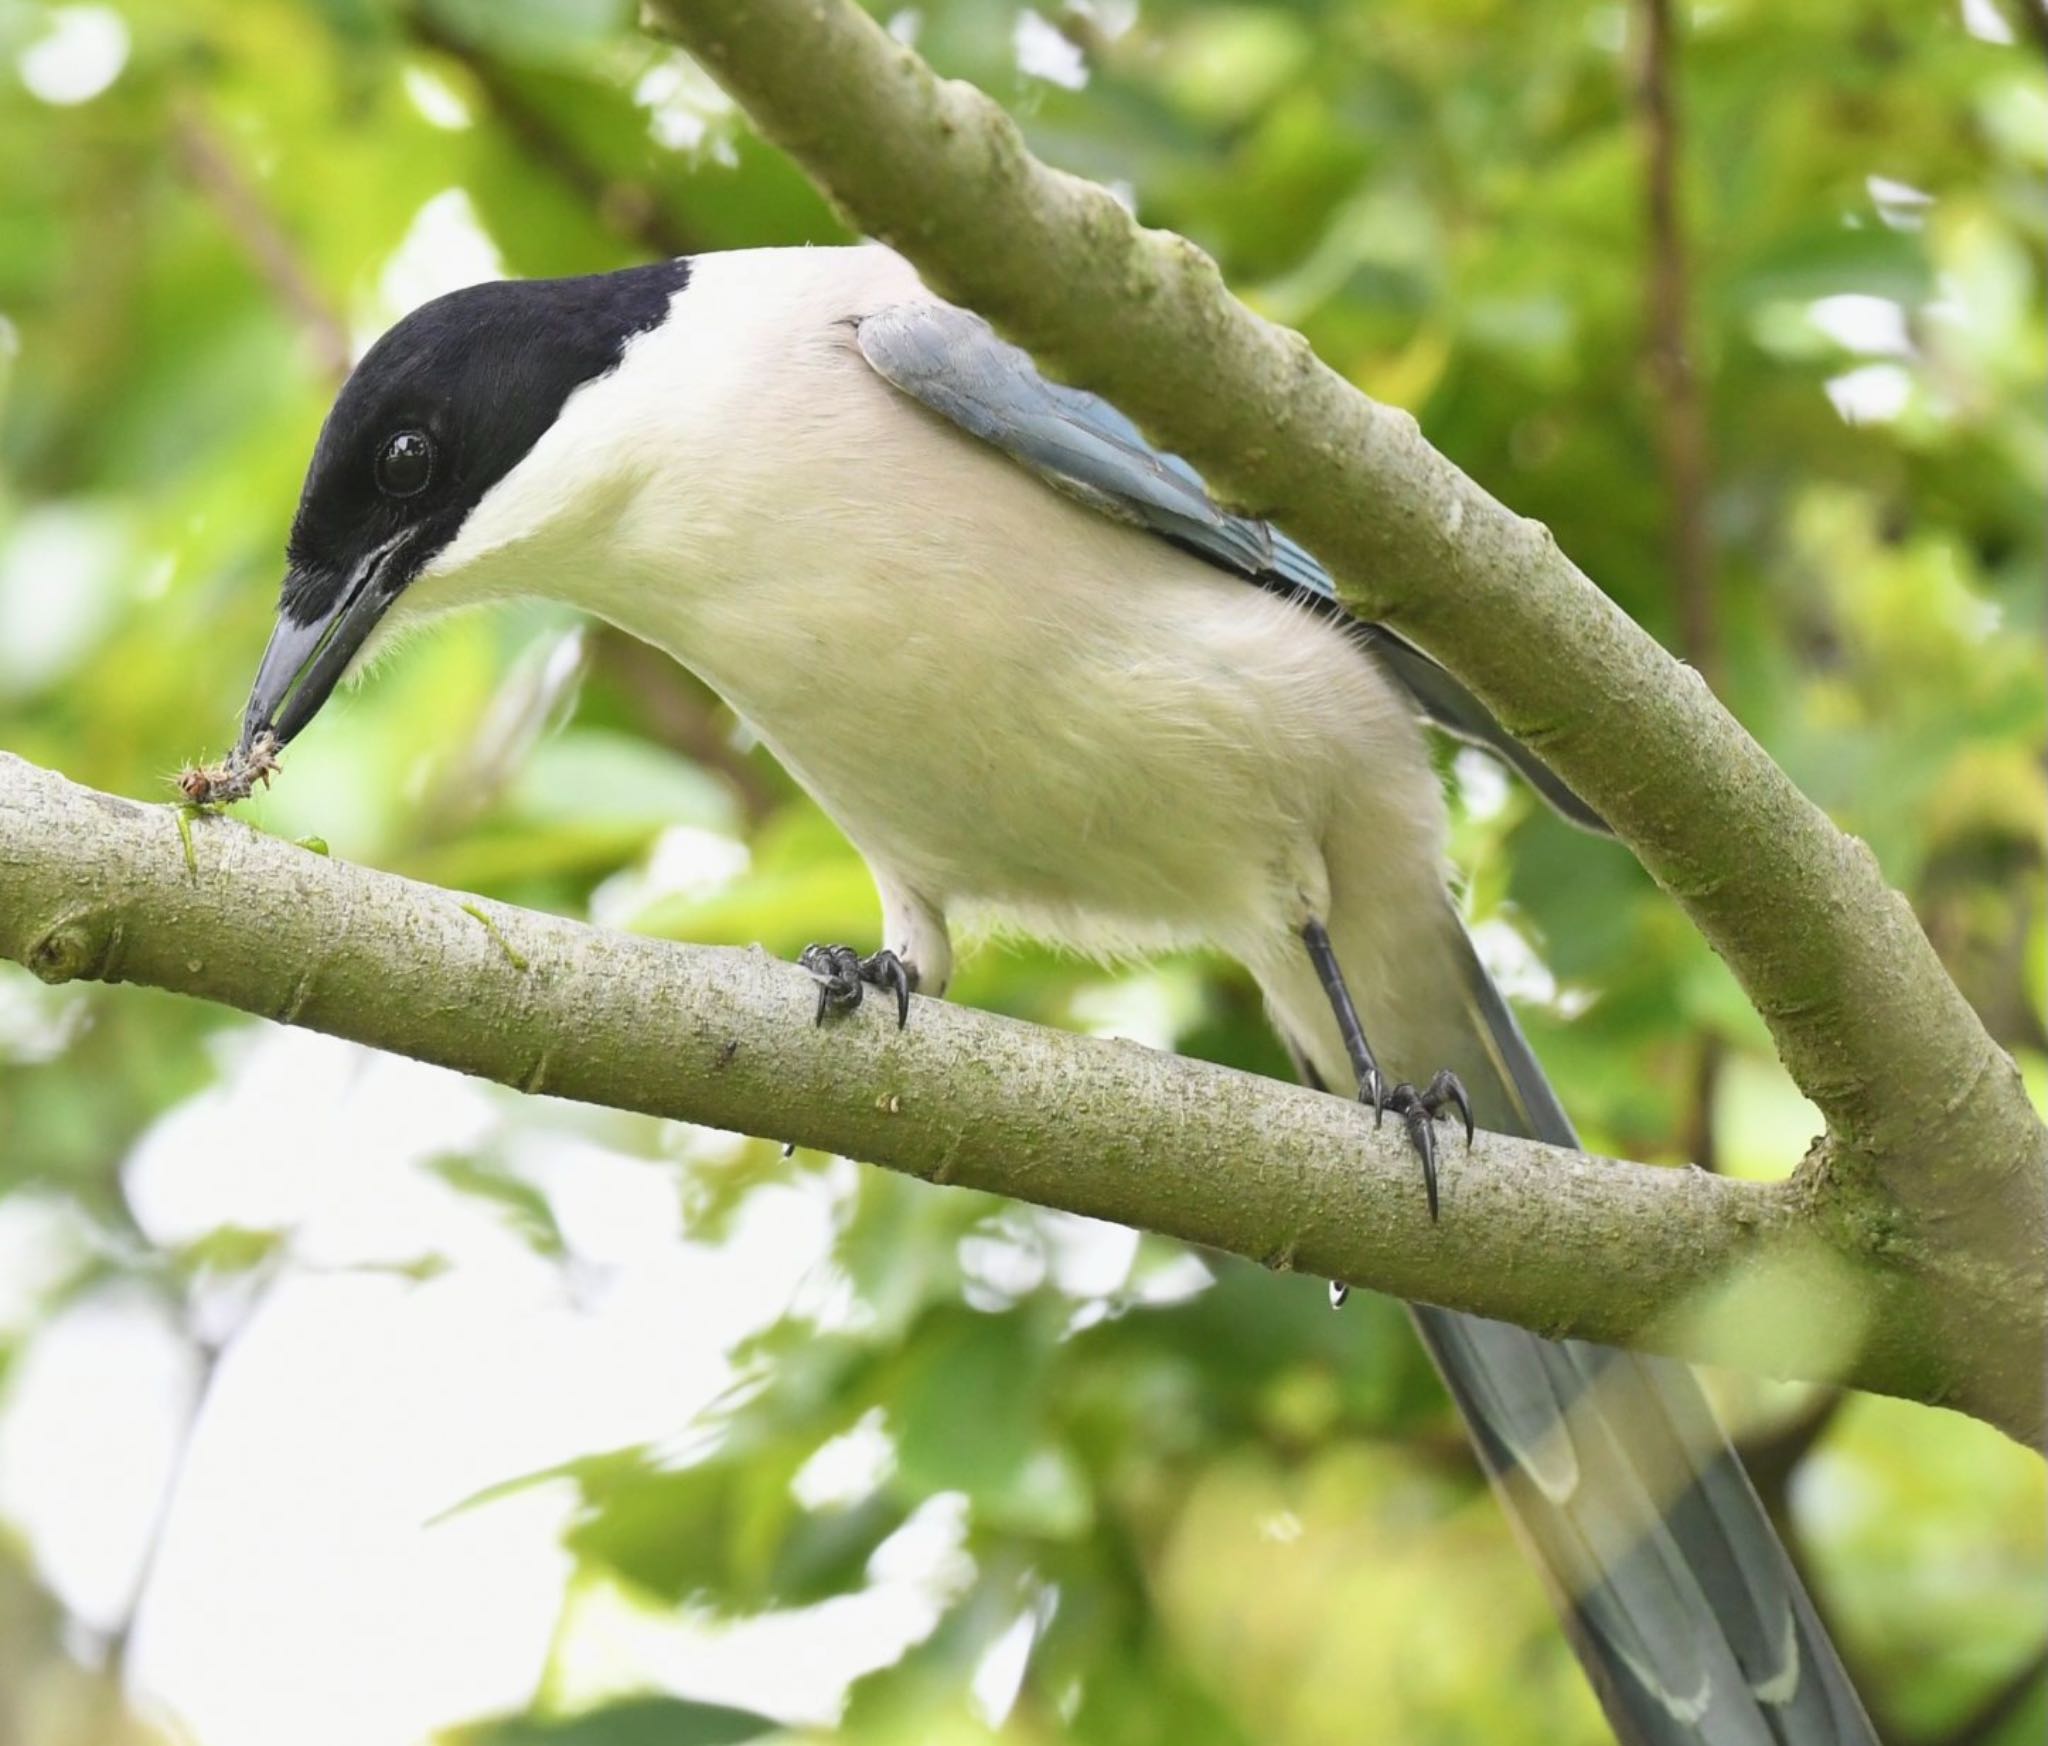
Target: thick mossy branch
{"points": [[1734, 1272], [1927, 1117]]}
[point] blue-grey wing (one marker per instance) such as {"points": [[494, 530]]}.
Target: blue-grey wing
{"points": [[952, 361]]}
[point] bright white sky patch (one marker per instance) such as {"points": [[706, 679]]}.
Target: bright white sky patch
{"points": [[794, 1665], [318, 1527], [43, 1239], [324, 1139], [684, 862], [304, 1589], [1001, 1262], [685, 107], [1088, 1257], [1512, 962], [95, 1413], [1151, 1007], [1482, 782], [1000, 1675], [848, 1468], [1180, 1276], [1875, 394], [1900, 205], [63, 566], [77, 57], [1043, 53], [38, 1023], [437, 101], [1873, 326], [446, 248], [1983, 20]]}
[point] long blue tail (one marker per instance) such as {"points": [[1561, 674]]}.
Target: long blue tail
{"points": [[1684, 1607]]}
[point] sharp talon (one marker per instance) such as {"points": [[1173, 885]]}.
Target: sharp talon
{"points": [[1339, 1291], [1417, 1113], [789, 1149], [1447, 1088], [886, 970]]}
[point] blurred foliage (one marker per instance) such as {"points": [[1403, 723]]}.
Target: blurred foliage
{"points": [[1210, 1511]]}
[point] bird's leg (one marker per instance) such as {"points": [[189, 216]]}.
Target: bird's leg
{"points": [[843, 976], [1418, 1109], [1371, 1087]]}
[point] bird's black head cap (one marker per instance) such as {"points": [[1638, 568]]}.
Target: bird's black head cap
{"points": [[438, 411]]}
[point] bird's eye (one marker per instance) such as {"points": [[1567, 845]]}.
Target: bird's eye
{"points": [[406, 464]]}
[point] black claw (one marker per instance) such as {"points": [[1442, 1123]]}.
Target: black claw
{"points": [[886, 970], [843, 977], [1447, 1088], [1419, 1110], [836, 970], [1416, 1114], [1339, 1291]]}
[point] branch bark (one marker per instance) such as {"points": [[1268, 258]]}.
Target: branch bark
{"points": [[1724, 1271], [1932, 1148]]}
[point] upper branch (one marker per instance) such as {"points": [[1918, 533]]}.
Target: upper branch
{"points": [[1931, 1135], [92, 886]]}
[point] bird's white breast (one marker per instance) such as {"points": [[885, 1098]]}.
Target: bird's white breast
{"points": [[1003, 697]]}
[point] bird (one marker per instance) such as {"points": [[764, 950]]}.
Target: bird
{"points": [[1035, 672]]}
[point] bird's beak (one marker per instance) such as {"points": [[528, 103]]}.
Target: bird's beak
{"points": [[304, 662]]}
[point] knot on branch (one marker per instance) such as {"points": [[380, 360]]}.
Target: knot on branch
{"points": [[81, 947]]}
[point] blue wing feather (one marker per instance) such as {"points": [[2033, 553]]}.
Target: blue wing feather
{"points": [[952, 362]]}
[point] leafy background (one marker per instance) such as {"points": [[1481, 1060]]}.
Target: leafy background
{"points": [[345, 1401]]}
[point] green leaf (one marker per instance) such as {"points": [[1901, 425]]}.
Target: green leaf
{"points": [[650, 1721]]}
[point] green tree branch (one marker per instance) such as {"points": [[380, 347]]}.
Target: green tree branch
{"points": [[1750, 1274]]}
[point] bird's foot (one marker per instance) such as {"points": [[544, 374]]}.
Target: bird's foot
{"points": [[843, 976], [1421, 1110]]}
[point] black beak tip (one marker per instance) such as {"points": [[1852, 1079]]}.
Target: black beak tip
{"points": [[255, 724]]}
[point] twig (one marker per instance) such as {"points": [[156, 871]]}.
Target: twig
{"points": [[214, 172], [1677, 414], [1680, 423], [630, 209]]}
